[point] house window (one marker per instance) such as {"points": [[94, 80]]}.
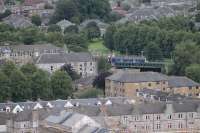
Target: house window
{"points": [[197, 94], [197, 87], [163, 89], [191, 115], [169, 125], [190, 88], [51, 68], [163, 82], [180, 125], [90, 63], [170, 117], [147, 117], [157, 83], [91, 70], [158, 126], [180, 115], [158, 117], [149, 84]]}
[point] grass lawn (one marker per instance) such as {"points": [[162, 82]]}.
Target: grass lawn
{"points": [[97, 47]]}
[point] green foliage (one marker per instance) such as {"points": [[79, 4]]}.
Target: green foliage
{"points": [[165, 33], [20, 87], [103, 65], [71, 72], [78, 10], [71, 29], [35, 19], [54, 28], [193, 72], [30, 83], [185, 54], [8, 68], [61, 85], [153, 52], [76, 42], [65, 9], [197, 17], [5, 92], [40, 85], [92, 30], [99, 81], [90, 93]]}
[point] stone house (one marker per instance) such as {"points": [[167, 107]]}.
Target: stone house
{"points": [[22, 54], [128, 83], [83, 63], [17, 21], [63, 24], [183, 86], [23, 122]]}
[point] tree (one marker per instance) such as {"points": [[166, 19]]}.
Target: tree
{"points": [[28, 69], [109, 37], [40, 85], [153, 52], [94, 9], [61, 85], [71, 29], [20, 86], [65, 9], [76, 42], [103, 65], [185, 54], [193, 72], [8, 68], [68, 68], [99, 81], [30, 35], [35, 19], [5, 92], [54, 28], [92, 30]]}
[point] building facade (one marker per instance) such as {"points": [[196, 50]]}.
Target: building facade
{"points": [[128, 83], [22, 54], [82, 63], [23, 122]]}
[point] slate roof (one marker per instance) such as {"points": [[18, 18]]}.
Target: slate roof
{"points": [[64, 58], [17, 21], [51, 58], [99, 23], [135, 77], [64, 24], [178, 81], [32, 2]]}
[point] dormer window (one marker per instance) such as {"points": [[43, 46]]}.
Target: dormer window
{"points": [[170, 117], [180, 115]]}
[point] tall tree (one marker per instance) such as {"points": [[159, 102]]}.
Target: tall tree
{"points": [[92, 30], [8, 68], [193, 72], [103, 65], [40, 85], [61, 85], [68, 68], [65, 9], [20, 87], [35, 19], [153, 52], [5, 92]]}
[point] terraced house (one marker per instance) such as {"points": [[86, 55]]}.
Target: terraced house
{"points": [[128, 83]]}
